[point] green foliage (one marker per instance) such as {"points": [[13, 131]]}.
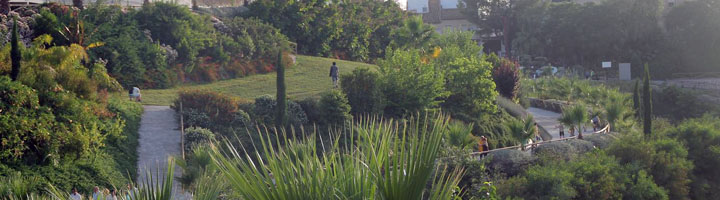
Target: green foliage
{"points": [[264, 111], [636, 99], [355, 30], [409, 84], [702, 140], [175, 25], [413, 34], [365, 170], [471, 87], [522, 130], [689, 40], [280, 118], [677, 104], [575, 116], [218, 108], [647, 102], [334, 108], [665, 159], [460, 136], [196, 137], [363, 91], [15, 56]]}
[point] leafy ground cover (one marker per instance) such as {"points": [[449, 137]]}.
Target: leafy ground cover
{"points": [[307, 78]]}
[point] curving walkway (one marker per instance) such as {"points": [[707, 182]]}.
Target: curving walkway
{"points": [[549, 120], [159, 139]]}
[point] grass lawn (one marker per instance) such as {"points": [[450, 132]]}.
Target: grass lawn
{"points": [[307, 78]]}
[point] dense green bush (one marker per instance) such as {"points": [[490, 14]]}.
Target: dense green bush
{"points": [[334, 108], [664, 158], [218, 108], [409, 84], [593, 176], [264, 111], [195, 137], [358, 30], [363, 92], [678, 104], [509, 162], [701, 138]]}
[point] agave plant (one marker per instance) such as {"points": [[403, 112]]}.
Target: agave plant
{"points": [[386, 160], [522, 130]]}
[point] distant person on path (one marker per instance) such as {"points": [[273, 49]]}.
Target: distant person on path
{"points": [[572, 131], [561, 128], [596, 123], [75, 195], [135, 94], [334, 71], [483, 145]]}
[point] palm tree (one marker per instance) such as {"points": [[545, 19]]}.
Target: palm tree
{"points": [[575, 116], [617, 110], [413, 34], [460, 135], [522, 130]]}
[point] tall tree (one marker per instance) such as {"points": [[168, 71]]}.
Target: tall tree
{"points": [[647, 103], [15, 56], [4, 7], [636, 99], [281, 98]]}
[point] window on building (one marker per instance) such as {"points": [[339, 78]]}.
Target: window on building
{"points": [[425, 9]]}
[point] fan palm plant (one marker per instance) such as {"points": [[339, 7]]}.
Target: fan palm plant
{"points": [[522, 130], [617, 110], [387, 160], [460, 135], [576, 115]]}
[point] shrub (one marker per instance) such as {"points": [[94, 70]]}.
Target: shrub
{"points": [[470, 86], [363, 92], [310, 106], [665, 159], [507, 78], [195, 137], [702, 140], [409, 84], [509, 162], [334, 108], [264, 111], [218, 108], [557, 150]]}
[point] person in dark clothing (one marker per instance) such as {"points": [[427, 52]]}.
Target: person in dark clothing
{"points": [[334, 71]]}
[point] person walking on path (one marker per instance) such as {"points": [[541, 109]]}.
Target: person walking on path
{"points": [[334, 71], [561, 128], [75, 195], [483, 145]]}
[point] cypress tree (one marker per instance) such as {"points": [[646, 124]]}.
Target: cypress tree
{"points": [[636, 99], [647, 103], [15, 56], [281, 99]]}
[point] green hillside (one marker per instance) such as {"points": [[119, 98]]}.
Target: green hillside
{"points": [[308, 77]]}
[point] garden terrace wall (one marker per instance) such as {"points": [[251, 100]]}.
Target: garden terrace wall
{"points": [[548, 104]]}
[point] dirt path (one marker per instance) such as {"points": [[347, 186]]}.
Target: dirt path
{"points": [[159, 139]]}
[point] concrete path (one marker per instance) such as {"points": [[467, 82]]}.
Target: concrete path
{"points": [[549, 120], [159, 139]]}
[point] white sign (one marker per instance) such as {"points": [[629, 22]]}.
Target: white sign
{"points": [[625, 71], [606, 64]]}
